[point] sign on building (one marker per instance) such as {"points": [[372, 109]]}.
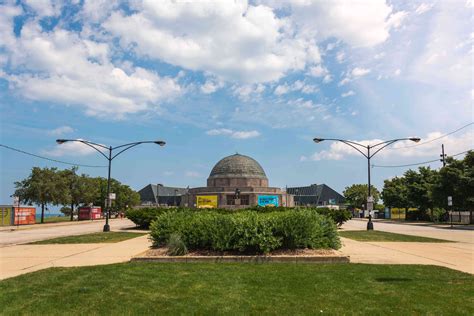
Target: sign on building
{"points": [[206, 201], [268, 200]]}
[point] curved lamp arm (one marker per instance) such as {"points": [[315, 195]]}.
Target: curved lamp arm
{"points": [[130, 145], [88, 143]]}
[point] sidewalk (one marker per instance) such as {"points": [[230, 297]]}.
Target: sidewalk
{"points": [[21, 259], [457, 256], [47, 225]]}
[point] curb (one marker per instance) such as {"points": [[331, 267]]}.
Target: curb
{"points": [[244, 259]]}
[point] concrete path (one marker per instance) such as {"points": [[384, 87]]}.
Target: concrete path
{"points": [[440, 232], [26, 234], [20, 259], [458, 255]]}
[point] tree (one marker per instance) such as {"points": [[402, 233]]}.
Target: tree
{"points": [[81, 189], [456, 179], [395, 193], [356, 194], [42, 187], [419, 185], [124, 195]]}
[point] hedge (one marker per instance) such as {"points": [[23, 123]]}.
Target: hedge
{"points": [[143, 217], [246, 231]]}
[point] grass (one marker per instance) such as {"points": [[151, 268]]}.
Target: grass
{"points": [[376, 235], [109, 237], [53, 219], [145, 288]]}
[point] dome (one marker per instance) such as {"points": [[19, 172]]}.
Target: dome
{"points": [[237, 166]]}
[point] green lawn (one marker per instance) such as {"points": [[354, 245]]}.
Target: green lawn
{"points": [[54, 219], [145, 288], [108, 237], [376, 235]]}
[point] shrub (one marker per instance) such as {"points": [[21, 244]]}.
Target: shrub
{"points": [[142, 217], [176, 246], [246, 231]]}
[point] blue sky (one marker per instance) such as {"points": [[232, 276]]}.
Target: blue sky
{"points": [[211, 79]]}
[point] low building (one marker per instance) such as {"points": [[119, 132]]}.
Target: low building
{"points": [[316, 195], [160, 195], [236, 181]]}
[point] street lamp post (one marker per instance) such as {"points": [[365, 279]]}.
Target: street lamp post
{"points": [[368, 155], [109, 157]]}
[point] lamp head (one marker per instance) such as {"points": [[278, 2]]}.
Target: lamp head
{"points": [[60, 141], [318, 140], [160, 142], [415, 139]]}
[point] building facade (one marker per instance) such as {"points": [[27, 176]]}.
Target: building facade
{"points": [[160, 195], [236, 181], [316, 195]]}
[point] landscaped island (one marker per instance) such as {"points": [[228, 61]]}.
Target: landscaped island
{"points": [[246, 231]]}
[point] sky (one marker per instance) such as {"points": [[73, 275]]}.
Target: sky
{"points": [[261, 78]]}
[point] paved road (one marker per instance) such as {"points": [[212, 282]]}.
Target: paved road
{"points": [[458, 255], [48, 231]]}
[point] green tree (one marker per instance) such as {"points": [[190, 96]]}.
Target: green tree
{"points": [[419, 185], [456, 179], [43, 186], [81, 189], [356, 194], [124, 195], [395, 193]]}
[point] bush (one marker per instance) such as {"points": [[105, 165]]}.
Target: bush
{"points": [[246, 231], [143, 217], [176, 246]]}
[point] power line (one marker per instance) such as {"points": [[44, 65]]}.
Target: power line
{"points": [[54, 160], [434, 139], [419, 163]]}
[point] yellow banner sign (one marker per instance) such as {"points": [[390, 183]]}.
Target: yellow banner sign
{"points": [[206, 201]]}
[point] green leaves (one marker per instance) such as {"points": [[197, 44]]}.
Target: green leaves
{"points": [[246, 231]]}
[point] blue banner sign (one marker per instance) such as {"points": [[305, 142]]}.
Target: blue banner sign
{"points": [[268, 200]]}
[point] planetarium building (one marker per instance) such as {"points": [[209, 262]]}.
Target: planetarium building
{"points": [[236, 181]]}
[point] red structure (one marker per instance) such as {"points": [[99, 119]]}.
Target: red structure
{"points": [[90, 213], [24, 215]]}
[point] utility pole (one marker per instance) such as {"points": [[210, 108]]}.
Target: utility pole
{"points": [[443, 156]]}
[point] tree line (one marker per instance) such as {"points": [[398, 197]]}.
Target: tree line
{"points": [[428, 190], [425, 189], [50, 186]]}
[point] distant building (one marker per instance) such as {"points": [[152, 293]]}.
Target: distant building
{"points": [[237, 181], [315, 195], [158, 194]]}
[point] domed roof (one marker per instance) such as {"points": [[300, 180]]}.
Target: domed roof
{"points": [[237, 166]]}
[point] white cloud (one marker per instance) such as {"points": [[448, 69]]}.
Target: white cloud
{"points": [[404, 149], [340, 57], [348, 93], [318, 71], [233, 134], [397, 72], [234, 40], [359, 72], [396, 19], [362, 23], [70, 149], [211, 86], [424, 7], [64, 68], [45, 7], [246, 91], [298, 85], [62, 130]]}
